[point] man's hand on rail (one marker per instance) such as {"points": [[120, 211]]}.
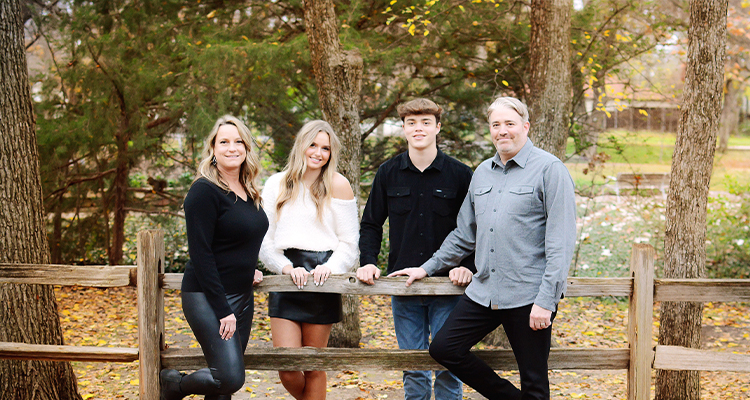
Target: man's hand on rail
{"points": [[228, 326], [368, 274], [258, 278], [460, 276], [414, 274]]}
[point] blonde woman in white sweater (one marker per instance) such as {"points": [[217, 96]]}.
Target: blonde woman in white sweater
{"points": [[313, 233]]}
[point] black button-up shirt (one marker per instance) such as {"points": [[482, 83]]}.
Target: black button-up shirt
{"points": [[421, 207]]}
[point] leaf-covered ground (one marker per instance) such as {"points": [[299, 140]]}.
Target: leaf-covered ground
{"points": [[96, 317]]}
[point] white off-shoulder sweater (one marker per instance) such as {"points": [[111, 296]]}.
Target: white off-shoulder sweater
{"points": [[298, 227]]}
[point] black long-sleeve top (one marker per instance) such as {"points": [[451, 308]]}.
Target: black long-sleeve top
{"points": [[421, 207], [224, 237]]}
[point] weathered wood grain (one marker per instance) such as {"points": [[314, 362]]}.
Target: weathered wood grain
{"points": [[702, 290], [330, 359], [348, 283], [68, 275], [150, 311], [685, 359], [47, 352], [640, 321]]}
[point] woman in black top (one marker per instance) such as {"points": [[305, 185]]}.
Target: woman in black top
{"points": [[225, 228]]}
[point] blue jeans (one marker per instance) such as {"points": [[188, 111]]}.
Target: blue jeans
{"points": [[415, 317]]}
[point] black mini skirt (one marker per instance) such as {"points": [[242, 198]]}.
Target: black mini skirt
{"points": [[311, 308]]}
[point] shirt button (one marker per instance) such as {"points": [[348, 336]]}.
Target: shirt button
{"points": [[421, 215], [421, 254], [494, 210], [492, 250], [505, 172], [421, 234], [500, 190], [492, 230], [492, 270], [421, 194]]}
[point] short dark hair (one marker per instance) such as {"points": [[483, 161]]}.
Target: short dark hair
{"points": [[419, 107]]}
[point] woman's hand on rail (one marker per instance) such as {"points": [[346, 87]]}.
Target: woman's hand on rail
{"points": [[228, 326], [299, 275], [258, 278], [321, 274]]}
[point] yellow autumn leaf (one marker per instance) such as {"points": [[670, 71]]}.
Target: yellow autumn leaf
{"points": [[135, 382], [426, 32], [412, 28], [211, 14], [643, 112], [505, 82]]}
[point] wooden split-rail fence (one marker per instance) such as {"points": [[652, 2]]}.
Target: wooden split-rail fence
{"points": [[148, 276]]}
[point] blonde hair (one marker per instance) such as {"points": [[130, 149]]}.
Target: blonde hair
{"points": [[321, 190], [510, 103], [249, 170]]}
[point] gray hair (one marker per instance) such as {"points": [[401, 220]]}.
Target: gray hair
{"points": [[511, 103]]}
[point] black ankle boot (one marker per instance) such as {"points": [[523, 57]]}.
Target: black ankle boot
{"points": [[170, 385]]}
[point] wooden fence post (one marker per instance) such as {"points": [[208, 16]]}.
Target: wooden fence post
{"points": [[640, 321], [150, 311]]}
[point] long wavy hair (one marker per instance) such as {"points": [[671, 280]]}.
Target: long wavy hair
{"points": [[249, 170], [322, 189]]}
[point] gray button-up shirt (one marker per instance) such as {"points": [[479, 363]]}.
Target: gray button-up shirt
{"points": [[521, 218]]}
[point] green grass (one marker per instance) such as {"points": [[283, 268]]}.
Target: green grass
{"points": [[645, 151]]}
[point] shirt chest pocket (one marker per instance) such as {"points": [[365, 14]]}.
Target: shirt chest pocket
{"points": [[519, 200], [481, 199], [399, 200], [443, 201]]}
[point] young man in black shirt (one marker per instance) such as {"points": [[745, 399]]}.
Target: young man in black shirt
{"points": [[420, 192]]}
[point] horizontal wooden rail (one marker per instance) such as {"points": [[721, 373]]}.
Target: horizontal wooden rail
{"points": [[69, 275], [685, 359], [47, 352], [348, 283], [331, 359], [702, 290]]}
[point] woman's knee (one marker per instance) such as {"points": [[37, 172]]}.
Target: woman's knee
{"points": [[289, 376], [230, 380], [315, 375]]}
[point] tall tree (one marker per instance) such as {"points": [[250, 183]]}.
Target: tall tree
{"points": [[692, 163], [338, 75], [550, 99], [28, 313]]}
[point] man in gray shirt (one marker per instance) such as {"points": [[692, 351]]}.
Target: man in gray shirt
{"points": [[520, 216]]}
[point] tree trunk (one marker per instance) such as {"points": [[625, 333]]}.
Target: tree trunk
{"points": [[338, 76], [550, 99], [685, 233], [28, 313], [730, 114], [120, 191]]}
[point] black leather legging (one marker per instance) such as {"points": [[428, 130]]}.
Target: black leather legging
{"points": [[226, 368]]}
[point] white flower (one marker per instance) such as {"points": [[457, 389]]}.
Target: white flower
{"points": [[640, 240], [739, 242], [585, 266], [606, 253]]}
